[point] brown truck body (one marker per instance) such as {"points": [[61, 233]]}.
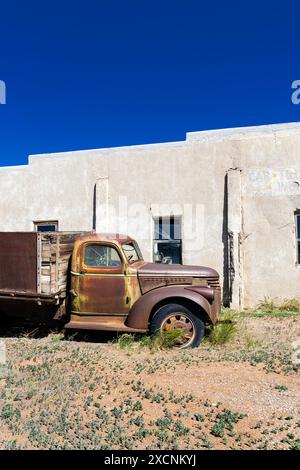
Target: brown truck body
{"points": [[97, 281], [34, 273]]}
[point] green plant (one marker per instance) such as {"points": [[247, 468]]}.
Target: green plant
{"points": [[295, 445], [167, 338], [126, 341], [281, 388], [160, 340], [225, 330], [225, 420]]}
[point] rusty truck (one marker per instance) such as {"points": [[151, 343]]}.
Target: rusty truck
{"points": [[101, 282]]}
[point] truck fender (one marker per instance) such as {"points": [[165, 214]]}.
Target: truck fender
{"points": [[140, 312]]}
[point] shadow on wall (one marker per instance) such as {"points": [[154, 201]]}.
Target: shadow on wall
{"points": [[226, 249], [94, 208]]}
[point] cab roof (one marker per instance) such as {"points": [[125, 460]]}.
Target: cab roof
{"points": [[112, 237]]}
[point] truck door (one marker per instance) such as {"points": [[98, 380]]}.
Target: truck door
{"points": [[102, 280]]}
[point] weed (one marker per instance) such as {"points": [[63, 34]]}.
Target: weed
{"points": [[225, 330], [225, 420], [126, 341], [276, 307], [295, 445], [160, 340], [281, 388], [268, 305]]}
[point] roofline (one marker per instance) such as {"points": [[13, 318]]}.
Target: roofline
{"points": [[248, 131], [109, 150], [204, 135], [223, 133]]}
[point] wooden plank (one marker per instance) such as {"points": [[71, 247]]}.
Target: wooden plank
{"points": [[64, 259], [62, 275], [53, 276], [68, 238], [63, 265], [46, 271], [55, 251], [38, 263], [57, 248], [45, 288], [65, 249], [57, 260]]}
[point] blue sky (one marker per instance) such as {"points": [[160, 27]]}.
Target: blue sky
{"points": [[92, 74]]}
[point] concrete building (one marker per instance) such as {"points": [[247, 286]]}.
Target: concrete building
{"points": [[227, 198]]}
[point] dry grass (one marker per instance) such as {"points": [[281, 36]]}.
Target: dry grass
{"points": [[273, 305]]}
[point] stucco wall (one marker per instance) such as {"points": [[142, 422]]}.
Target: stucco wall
{"points": [[124, 188]]}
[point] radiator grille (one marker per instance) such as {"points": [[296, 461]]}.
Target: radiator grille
{"points": [[213, 282]]}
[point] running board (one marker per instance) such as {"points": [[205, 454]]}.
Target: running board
{"points": [[87, 325]]}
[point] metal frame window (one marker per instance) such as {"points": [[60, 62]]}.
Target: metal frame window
{"points": [[48, 226], [101, 256], [297, 232], [167, 243]]}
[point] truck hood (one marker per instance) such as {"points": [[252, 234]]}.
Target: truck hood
{"points": [[152, 269]]}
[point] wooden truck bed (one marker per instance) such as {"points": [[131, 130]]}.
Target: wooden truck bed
{"points": [[35, 264]]}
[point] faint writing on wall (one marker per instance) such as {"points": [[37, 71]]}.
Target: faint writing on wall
{"points": [[275, 182]]}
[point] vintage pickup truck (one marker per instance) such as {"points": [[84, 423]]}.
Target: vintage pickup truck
{"points": [[101, 282]]}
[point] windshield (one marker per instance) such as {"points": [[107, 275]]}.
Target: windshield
{"points": [[132, 251]]}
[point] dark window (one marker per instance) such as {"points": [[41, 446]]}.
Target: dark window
{"points": [[167, 240], [46, 226], [101, 256], [297, 221]]}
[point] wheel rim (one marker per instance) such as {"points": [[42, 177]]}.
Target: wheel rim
{"points": [[180, 321]]}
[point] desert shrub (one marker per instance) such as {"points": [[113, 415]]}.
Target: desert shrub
{"points": [[160, 340], [126, 341], [290, 305], [277, 306], [225, 330], [267, 304]]}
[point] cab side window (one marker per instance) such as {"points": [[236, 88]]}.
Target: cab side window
{"points": [[101, 256]]}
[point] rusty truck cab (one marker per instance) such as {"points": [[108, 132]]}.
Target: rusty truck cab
{"points": [[104, 283]]}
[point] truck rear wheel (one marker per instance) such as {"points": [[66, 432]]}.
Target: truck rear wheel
{"points": [[175, 316]]}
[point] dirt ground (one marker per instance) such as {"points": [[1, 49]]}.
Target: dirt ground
{"points": [[87, 393]]}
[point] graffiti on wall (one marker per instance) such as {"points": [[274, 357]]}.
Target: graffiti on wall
{"points": [[275, 182]]}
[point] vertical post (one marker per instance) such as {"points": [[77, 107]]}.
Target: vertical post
{"points": [[101, 205], [38, 263], [57, 255], [235, 237]]}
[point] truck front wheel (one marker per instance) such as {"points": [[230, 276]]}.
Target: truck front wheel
{"points": [[177, 317]]}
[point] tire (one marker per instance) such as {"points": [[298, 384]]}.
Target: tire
{"points": [[172, 316]]}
